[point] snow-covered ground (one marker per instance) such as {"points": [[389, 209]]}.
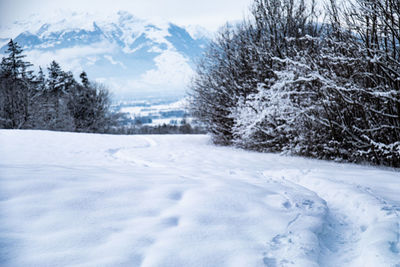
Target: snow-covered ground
{"points": [[96, 200]]}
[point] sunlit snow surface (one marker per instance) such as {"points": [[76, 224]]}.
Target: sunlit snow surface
{"points": [[97, 200]]}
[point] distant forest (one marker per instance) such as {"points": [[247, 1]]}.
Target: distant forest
{"points": [[57, 101], [287, 81]]}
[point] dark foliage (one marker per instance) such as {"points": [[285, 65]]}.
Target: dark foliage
{"points": [[55, 102], [159, 129], [282, 82]]}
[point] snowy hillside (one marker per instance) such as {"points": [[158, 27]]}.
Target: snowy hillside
{"points": [[97, 200], [134, 57], [155, 112]]}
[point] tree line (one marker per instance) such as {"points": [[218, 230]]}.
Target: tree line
{"points": [[55, 101], [185, 128], [285, 81]]}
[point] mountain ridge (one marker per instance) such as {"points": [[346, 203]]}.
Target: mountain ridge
{"points": [[131, 56]]}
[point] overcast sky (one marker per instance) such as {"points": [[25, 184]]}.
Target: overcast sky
{"points": [[208, 13]]}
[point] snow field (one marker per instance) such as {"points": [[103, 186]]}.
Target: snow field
{"points": [[97, 200]]}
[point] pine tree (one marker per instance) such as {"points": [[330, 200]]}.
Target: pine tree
{"points": [[84, 79], [58, 85], [55, 78], [40, 80], [13, 66], [15, 86]]}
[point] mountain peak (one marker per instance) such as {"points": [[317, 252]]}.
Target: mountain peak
{"points": [[129, 54]]}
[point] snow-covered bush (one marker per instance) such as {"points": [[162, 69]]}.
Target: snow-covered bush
{"points": [[229, 71], [284, 83]]}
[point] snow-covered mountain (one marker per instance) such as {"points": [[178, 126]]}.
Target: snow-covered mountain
{"points": [[134, 57]]}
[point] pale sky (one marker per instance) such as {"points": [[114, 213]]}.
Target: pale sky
{"points": [[210, 14]]}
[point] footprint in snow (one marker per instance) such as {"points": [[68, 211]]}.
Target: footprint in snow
{"points": [[177, 195], [170, 221]]}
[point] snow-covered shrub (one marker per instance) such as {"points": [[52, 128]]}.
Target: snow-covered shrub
{"points": [[274, 118], [284, 83], [230, 71]]}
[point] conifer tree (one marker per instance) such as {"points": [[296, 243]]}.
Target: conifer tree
{"points": [[58, 84], [84, 79], [16, 82]]}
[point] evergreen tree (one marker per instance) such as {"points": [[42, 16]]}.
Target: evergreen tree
{"points": [[13, 66], [15, 84], [84, 79], [40, 80], [58, 84]]}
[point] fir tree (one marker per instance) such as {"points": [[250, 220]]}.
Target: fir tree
{"points": [[58, 84], [84, 79], [15, 86], [13, 66]]}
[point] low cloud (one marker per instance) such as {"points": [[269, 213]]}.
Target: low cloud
{"points": [[71, 58]]}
